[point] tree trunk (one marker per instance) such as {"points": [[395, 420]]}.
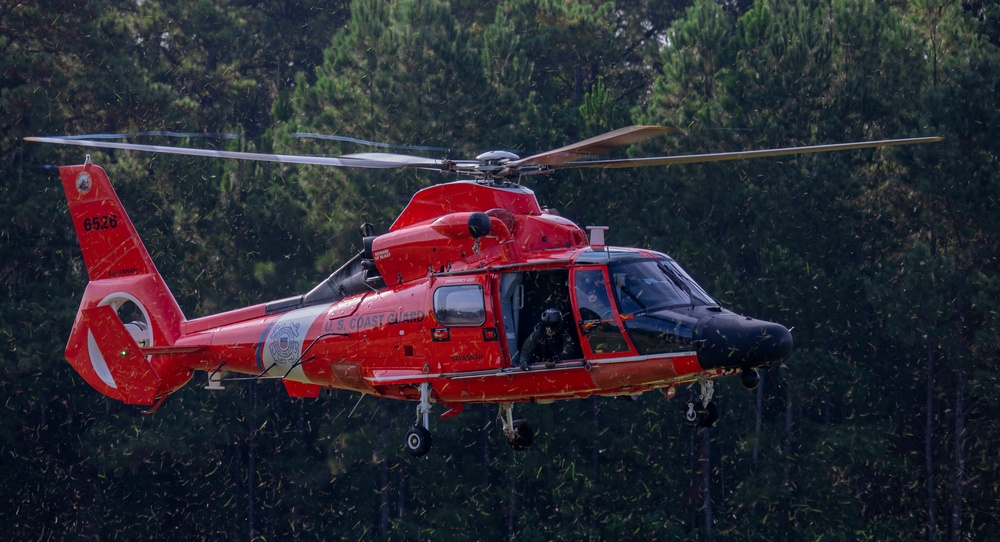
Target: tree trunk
{"points": [[692, 497], [251, 457], [706, 481], [758, 419], [929, 449], [960, 376], [959, 498], [485, 482], [383, 505], [401, 496], [578, 84], [787, 446], [595, 451], [512, 506]]}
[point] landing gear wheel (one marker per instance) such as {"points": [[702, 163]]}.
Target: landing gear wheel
{"points": [[701, 411], [418, 441], [750, 378], [521, 436]]}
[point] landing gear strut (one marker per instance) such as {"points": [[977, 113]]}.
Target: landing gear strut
{"points": [[702, 412], [418, 438], [519, 434]]}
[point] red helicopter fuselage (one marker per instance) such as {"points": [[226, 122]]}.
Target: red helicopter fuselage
{"points": [[437, 309]]}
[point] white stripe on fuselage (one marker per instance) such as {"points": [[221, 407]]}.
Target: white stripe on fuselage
{"points": [[283, 345]]}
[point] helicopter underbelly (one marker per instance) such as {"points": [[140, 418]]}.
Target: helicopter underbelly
{"points": [[569, 379]]}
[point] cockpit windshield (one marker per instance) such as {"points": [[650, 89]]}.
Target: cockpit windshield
{"points": [[642, 286]]}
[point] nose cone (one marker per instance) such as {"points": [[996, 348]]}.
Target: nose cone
{"points": [[732, 341]]}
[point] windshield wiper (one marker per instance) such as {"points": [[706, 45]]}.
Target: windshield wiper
{"points": [[680, 284], [632, 296]]}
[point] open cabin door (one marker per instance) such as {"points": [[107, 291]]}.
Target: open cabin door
{"points": [[511, 304], [524, 296]]}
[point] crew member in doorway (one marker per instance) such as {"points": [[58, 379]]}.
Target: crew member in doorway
{"points": [[548, 343]]}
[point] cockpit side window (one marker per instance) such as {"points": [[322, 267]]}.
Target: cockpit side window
{"points": [[592, 295], [598, 324]]}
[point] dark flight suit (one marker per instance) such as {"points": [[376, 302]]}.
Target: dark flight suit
{"points": [[542, 347]]}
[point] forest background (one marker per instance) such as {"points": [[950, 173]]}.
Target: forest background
{"points": [[881, 425]]}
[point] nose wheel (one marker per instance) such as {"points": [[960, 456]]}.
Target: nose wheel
{"points": [[702, 412], [750, 378]]}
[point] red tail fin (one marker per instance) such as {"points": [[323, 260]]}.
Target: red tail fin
{"points": [[111, 246], [122, 277]]}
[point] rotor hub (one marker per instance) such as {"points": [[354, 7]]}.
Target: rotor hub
{"points": [[497, 157]]}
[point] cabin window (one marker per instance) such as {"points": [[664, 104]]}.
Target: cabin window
{"points": [[460, 305]]}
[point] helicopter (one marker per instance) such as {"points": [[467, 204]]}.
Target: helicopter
{"points": [[436, 310]]}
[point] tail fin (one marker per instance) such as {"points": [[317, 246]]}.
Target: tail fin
{"points": [[122, 277], [119, 355]]}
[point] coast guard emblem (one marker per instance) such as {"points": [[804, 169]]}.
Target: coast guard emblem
{"points": [[83, 182], [283, 343]]}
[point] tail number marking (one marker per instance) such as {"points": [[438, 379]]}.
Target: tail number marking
{"points": [[102, 222]]}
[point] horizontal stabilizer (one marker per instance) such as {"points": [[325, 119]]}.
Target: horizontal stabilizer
{"points": [[170, 350], [130, 370], [301, 389]]}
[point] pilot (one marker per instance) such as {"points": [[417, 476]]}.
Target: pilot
{"points": [[549, 342]]}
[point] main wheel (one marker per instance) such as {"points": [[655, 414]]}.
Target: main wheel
{"points": [[522, 436], [418, 441]]}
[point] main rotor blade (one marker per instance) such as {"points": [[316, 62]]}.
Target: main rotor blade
{"points": [[407, 160], [346, 139], [361, 161], [596, 145], [741, 155]]}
